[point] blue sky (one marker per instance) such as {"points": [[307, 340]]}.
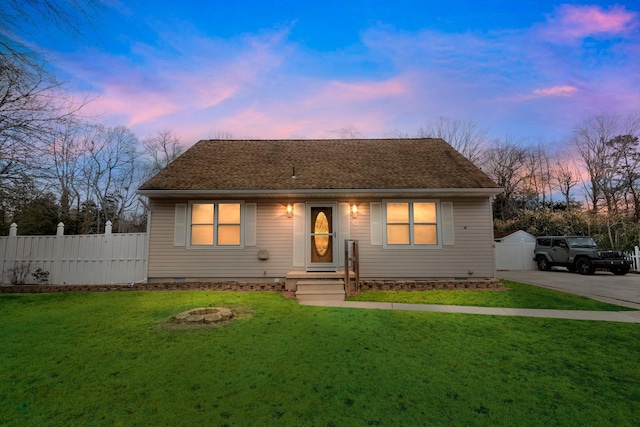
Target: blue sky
{"points": [[292, 69]]}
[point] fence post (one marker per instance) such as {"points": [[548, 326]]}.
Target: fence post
{"points": [[58, 256], [636, 259], [107, 257], [10, 255]]}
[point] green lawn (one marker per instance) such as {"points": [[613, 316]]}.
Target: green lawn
{"points": [[519, 295], [101, 359]]}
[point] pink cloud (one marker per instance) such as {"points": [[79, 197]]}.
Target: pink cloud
{"points": [[555, 91], [368, 90], [136, 106], [577, 22], [564, 91], [158, 88], [126, 93], [303, 108], [338, 92], [281, 120], [253, 123]]}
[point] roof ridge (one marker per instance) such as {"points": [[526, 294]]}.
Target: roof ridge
{"points": [[324, 139]]}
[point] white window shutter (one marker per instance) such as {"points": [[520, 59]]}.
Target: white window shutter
{"points": [[344, 230], [376, 223], [180, 225], [299, 234], [250, 224], [448, 236]]}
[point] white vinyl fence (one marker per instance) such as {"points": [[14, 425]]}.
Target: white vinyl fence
{"points": [[635, 258], [83, 259]]}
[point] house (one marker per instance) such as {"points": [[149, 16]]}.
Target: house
{"points": [[273, 210]]}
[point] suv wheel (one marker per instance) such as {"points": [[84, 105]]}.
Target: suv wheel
{"points": [[583, 266], [543, 264]]}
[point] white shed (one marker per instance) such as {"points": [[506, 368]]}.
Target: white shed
{"points": [[515, 251]]}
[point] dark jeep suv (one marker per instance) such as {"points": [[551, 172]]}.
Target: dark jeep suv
{"points": [[578, 253]]}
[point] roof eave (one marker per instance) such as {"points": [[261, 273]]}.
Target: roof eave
{"points": [[324, 193]]}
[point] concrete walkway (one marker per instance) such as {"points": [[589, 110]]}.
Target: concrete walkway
{"points": [[606, 316]]}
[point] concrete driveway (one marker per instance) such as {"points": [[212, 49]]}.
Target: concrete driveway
{"points": [[602, 286]]}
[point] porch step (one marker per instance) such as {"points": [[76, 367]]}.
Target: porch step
{"points": [[320, 290]]}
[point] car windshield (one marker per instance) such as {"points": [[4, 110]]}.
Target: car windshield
{"points": [[581, 242]]}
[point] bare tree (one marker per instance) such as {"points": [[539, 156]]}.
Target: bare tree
{"points": [[223, 136], [463, 135], [348, 132], [536, 182], [565, 176], [161, 148], [605, 145], [67, 16], [32, 102], [32, 106], [608, 147], [398, 134], [66, 151], [629, 168], [590, 138], [111, 171], [628, 174], [504, 162]]}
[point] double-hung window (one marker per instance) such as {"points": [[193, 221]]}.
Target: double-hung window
{"points": [[215, 224], [411, 224]]}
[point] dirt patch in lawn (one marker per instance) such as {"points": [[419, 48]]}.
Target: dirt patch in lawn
{"points": [[205, 317]]}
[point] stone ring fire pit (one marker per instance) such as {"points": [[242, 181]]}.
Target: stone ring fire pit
{"points": [[204, 315]]}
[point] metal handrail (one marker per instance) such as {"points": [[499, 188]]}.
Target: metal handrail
{"points": [[351, 262]]}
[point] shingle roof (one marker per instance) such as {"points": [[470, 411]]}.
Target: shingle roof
{"points": [[419, 163]]}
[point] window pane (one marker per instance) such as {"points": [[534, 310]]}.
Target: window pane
{"points": [[425, 235], [201, 213], [229, 213], [229, 235], [424, 212], [202, 234], [397, 234], [397, 212]]}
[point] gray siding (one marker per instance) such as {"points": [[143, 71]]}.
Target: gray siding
{"points": [[472, 252], [471, 256], [274, 233]]}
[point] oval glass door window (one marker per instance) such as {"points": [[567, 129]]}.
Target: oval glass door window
{"points": [[321, 231]]}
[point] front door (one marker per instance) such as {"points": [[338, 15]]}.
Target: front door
{"points": [[321, 240]]}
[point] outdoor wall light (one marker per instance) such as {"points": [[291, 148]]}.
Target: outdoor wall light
{"points": [[289, 210], [354, 211]]}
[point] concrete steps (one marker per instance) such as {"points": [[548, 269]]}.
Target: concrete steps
{"points": [[320, 290]]}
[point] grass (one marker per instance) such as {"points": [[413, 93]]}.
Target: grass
{"points": [[519, 295], [80, 359]]}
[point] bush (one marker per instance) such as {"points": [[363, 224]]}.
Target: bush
{"points": [[625, 234], [18, 273]]}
